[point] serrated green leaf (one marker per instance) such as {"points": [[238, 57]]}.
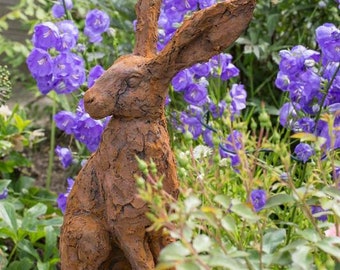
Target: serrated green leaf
{"points": [[272, 239], [279, 199]]}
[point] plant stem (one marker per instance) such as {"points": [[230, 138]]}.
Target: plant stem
{"points": [[52, 146]]}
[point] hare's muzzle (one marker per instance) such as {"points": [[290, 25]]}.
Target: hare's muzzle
{"points": [[96, 106]]}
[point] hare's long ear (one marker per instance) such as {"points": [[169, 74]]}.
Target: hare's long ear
{"points": [[206, 33], [147, 12]]}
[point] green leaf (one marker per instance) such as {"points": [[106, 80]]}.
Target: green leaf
{"points": [[26, 246], [187, 266], [50, 242], [302, 258], [24, 182], [222, 260], [309, 234], [330, 245], [272, 239], [279, 199], [23, 264], [228, 223], [7, 213], [43, 265], [223, 200], [202, 243], [332, 191], [244, 212], [174, 252], [37, 210], [21, 124], [4, 184], [30, 220]]}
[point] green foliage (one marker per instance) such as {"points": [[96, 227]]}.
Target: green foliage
{"points": [[215, 224], [29, 227], [15, 136]]}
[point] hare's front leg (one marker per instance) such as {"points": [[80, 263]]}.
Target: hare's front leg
{"points": [[85, 244], [130, 230]]}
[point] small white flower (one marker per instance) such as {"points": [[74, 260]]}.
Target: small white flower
{"points": [[5, 111], [202, 151]]}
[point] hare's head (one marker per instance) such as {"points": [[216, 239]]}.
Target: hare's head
{"points": [[126, 89], [136, 85]]}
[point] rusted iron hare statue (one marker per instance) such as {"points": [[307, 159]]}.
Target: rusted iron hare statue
{"points": [[105, 226]]}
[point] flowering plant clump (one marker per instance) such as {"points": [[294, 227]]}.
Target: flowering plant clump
{"points": [[312, 81]]}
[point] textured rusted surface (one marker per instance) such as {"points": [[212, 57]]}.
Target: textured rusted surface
{"points": [[105, 226]]}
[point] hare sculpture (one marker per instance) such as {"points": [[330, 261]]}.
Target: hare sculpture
{"points": [[105, 226]]}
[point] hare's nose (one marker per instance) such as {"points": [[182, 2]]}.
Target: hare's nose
{"points": [[88, 98]]}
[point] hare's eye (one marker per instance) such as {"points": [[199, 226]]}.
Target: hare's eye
{"points": [[133, 81]]}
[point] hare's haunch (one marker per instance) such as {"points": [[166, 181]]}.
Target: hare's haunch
{"points": [[105, 226]]}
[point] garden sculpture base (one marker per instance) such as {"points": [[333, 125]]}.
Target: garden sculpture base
{"points": [[105, 226]]}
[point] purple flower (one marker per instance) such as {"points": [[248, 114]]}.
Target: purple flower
{"points": [[193, 125], [208, 137], [282, 81], [304, 124], [196, 94], [328, 38], [65, 121], [94, 74], [217, 111], [4, 194], [65, 156], [68, 35], [69, 72], [182, 80], [58, 10], [96, 23], [239, 96], [62, 198], [288, 114], [229, 71], [233, 143], [316, 210], [201, 69], [39, 63], [46, 35], [45, 83], [206, 3], [88, 131], [303, 151], [258, 199]]}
